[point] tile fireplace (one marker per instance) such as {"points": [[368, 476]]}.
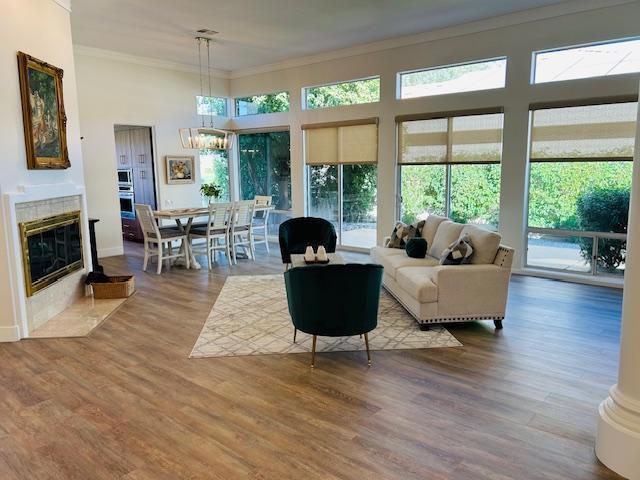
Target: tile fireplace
{"points": [[51, 249]]}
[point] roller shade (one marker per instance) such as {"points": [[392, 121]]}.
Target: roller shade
{"points": [[602, 132], [330, 145], [459, 139]]}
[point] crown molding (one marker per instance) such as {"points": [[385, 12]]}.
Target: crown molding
{"points": [[144, 61], [66, 4], [516, 18]]}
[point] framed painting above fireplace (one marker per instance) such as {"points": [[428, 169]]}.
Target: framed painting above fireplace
{"points": [[43, 117]]}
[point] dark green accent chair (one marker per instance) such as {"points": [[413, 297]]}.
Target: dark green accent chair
{"points": [[296, 234], [334, 300]]}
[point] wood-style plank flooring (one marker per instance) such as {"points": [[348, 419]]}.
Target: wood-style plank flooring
{"points": [[128, 403]]}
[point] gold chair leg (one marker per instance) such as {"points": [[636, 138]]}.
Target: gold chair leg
{"points": [[295, 332], [313, 352], [366, 342]]}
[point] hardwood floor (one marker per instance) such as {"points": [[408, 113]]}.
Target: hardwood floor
{"points": [[128, 403]]}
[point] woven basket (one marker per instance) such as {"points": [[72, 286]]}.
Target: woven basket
{"points": [[118, 287]]}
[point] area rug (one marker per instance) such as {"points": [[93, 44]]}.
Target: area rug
{"points": [[251, 317]]}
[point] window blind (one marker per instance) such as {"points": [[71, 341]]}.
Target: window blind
{"points": [[346, 144], [453, 139], [588, 132]]}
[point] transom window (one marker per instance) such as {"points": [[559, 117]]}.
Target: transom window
{"points": [[267, 103], [594, 60], [211, 106], [450, 165], [464, 77], [344, 93]]}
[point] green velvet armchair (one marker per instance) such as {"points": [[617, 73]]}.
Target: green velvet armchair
{"points": [[334, 300]]}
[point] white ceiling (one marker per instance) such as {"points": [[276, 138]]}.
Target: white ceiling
{"points": [[260, 32]]}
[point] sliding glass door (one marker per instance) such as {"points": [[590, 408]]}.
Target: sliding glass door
{"points": [[265, 169], [346, 196]]}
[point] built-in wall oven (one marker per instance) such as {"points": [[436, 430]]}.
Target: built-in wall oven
{"points": [[125, 177], [125, 193], [127, 204]]}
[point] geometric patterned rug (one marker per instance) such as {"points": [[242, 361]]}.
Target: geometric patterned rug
{"points": [[251, 317]]}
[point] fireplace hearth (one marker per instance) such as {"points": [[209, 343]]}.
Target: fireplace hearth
{"points": [[51, 249]]}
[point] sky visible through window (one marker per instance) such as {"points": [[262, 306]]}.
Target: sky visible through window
{"points": [[597, 60], [466, 77]]}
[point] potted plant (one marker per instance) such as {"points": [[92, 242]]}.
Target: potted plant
{"points": [[211, 191]]}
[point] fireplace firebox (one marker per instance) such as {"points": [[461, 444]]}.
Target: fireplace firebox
{"points": [[51, 249]]}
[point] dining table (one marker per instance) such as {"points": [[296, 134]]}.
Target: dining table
{"points": [[184, 217]]}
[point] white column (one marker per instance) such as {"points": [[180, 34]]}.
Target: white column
{"points": [[618, 437]]}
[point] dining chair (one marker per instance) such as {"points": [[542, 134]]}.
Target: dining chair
{"points": [[215, 232], [261, 220], [155, 239], [242, 229]]}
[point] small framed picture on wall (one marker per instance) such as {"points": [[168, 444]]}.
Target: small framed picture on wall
{"points": [[180, 169]]}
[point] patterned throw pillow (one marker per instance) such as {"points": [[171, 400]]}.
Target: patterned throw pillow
{"points": [[458, 253], [403, 232]]}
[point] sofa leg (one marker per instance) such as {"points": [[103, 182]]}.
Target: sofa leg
{"points": [[424, 327], [498, 324]]}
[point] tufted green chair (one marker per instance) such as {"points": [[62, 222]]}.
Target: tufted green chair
{"points": [[334, 300]]}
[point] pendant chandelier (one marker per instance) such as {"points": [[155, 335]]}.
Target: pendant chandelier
{"points": [[206, 137]]}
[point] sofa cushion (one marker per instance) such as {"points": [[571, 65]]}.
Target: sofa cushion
{"points": [[417, 284], [392, 259], [447, 233], [431, 226], [485, 244]]}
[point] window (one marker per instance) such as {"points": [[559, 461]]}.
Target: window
{"points": [[268, 103], [465, 77], [451, 166], [579, 181], [342, 179], [595, 60], [265, 169], [211, 106], [346, 93], [214, 168]]}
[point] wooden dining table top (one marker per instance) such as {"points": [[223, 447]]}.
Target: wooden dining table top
{"points": [[190, 212]]}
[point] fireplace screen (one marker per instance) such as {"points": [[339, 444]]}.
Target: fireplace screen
{"points": [[51, 249]]}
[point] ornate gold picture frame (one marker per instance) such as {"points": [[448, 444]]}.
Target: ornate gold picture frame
{"points": [[43, 117]]}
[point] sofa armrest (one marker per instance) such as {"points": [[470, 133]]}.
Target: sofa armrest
{"points": [[504, 257], [470, 289]]}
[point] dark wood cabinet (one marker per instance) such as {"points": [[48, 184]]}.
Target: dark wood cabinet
{"points": [[131, 230]]}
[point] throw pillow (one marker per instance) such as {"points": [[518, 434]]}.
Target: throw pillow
{"points": [[459, 252], [403, 232], [417, 247]]}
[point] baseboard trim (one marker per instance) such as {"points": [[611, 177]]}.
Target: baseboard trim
{"points": [[110, 252], [9, 334], [571, 277]]}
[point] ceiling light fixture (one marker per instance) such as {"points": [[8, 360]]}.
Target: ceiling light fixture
{"points": [[203, 137]]}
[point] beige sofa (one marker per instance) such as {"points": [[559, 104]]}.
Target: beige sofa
{"points": [[435, 293]]}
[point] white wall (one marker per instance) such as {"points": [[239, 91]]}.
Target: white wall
{"points": [[516, 42], [40, 28], [115, 92]]}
